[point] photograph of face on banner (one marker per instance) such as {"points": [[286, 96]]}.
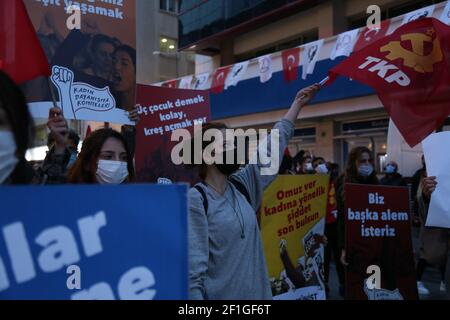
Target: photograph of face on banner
{"points": [[93, 68]]}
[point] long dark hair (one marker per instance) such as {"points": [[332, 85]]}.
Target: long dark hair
{"points": [[14, 103], [351, 172], [81, 171]]}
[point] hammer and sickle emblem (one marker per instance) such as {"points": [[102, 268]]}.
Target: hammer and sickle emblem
{"points": [[416, 58]]}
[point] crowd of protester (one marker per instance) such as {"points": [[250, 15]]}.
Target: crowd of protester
{"points": [[222, 208]]}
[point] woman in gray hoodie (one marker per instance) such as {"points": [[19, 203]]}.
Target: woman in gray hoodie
{"points": [[226, 258]]}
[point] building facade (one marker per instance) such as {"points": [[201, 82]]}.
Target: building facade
{"points": [[158, 59], [342, 116]]}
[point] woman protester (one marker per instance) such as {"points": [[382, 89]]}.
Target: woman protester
{"points": [[360, 169], [226, 258], [392, 177], [434, 242], [105, 158]]}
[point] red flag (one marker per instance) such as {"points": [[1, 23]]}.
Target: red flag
{"points": [[88, 131], [291, 60], [370, 35], [219, 77], [410, 71], [171, 84], [21, 54]]}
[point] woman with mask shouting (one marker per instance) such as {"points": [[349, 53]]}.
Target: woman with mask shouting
{"points": [[360, 170], [226, 259]]}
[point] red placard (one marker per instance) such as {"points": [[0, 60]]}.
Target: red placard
{"points": [[378, 233], [162, 111]]}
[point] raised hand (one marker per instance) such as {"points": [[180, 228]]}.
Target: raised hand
{"points": [[428, 186], [58, 129]]}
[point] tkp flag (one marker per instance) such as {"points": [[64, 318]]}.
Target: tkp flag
{"points": [[219, 77], [21, 54], [372, 34], [310, 55], [291, 60], [410, 71], [344, 44], [236, 73]]}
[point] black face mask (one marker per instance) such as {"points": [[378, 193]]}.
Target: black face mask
{"points": [[228, 169]]}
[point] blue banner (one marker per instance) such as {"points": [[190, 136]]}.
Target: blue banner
{"points": [[94, 242]]}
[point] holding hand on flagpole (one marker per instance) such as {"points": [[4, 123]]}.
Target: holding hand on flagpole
{"points": [[301, 99]]}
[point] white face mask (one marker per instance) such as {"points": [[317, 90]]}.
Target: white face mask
{"points": [[111, 172], [322, 168], [8, 159]]}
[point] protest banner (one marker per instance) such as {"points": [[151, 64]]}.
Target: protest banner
{"points": [[93, 58], [162, 111], [378, 237], [437, 166], [91, 242], [292, 227]]}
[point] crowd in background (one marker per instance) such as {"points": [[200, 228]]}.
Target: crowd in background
{"points": [[106, 158]]}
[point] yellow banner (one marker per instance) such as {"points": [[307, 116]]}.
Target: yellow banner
{"points": [[292, 226]]}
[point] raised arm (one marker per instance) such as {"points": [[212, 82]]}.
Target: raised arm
{"points": [[301, 99], [256, 176]]}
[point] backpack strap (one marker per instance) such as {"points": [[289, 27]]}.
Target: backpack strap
{"points": [[237, 184], [205, 199], [242, 189]]}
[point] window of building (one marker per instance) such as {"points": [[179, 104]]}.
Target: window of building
{"points": [[360, 20], [169, 5], [167, 45]]}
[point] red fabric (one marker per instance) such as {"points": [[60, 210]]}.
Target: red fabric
{"points": [[369, 36], [219, 77], [291, 60], [410, 71], [88, 131], [21, 54], [171, 84]]}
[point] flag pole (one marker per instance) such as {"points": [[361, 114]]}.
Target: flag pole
{"points": [[324, 81], [52, 93], [321, 83]]}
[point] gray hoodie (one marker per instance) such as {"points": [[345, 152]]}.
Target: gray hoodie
{"points": [[222, 264]]}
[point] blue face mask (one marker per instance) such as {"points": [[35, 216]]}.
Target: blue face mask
{"points": [[365, 170], [390, 169]]}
